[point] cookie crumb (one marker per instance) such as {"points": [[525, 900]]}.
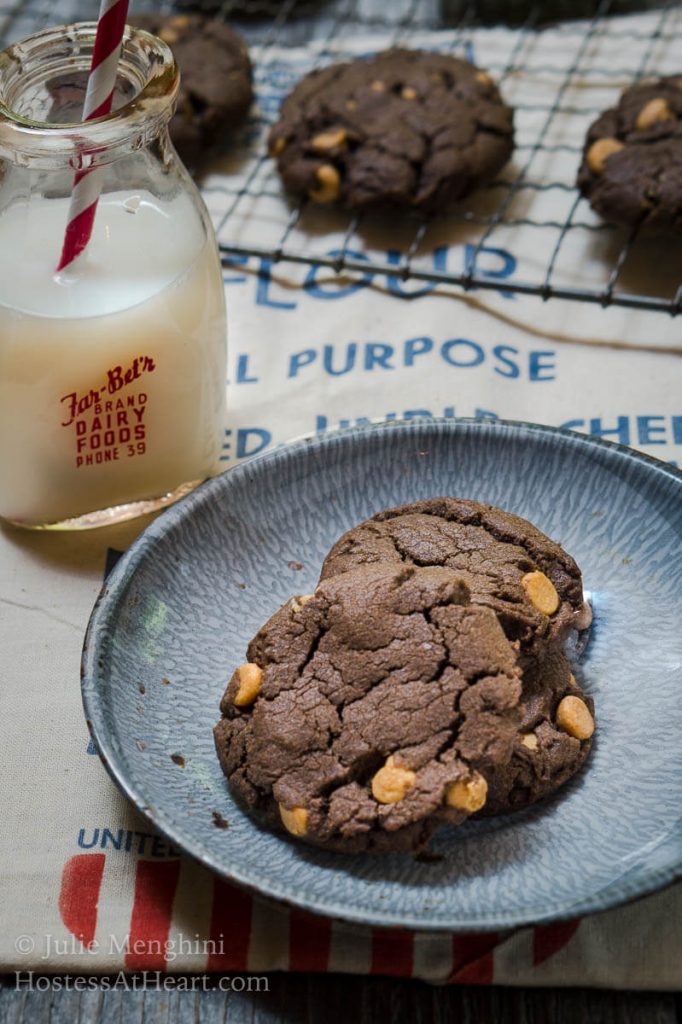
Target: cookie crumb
{"points": [[219, 821], [178, 759]]}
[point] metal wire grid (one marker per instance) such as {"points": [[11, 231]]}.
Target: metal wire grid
{"points": [[326, 32]]}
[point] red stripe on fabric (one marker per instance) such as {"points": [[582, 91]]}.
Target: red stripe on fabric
{"points": [[393, 953], [155, 885], [79, 894], [109, 33], [230, 928], [550, 938], [310, 940], [77, 236], [472, 958]]}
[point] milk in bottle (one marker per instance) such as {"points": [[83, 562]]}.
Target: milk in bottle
{"points": [[112, 373]]}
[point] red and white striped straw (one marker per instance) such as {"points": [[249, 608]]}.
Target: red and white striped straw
{"points": [[98, 100]]}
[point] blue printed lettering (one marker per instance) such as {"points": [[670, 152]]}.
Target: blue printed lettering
{"points": [[677, 429], [472, 264], [377, 354], [621, 431], [328, 359], [512, 369], [396, 285], [541, 365], [108, 839], [462, 344], [263, 288], [234, 261], [81, 839], [416, 347], [243, 371], [247, 435], [332, 289], [300, 359], [646, 429], [159, 847]]}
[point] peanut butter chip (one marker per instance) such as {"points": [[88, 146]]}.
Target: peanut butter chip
{"points": [[408, 93], [294, 820], [573, 716], [530, 740], [600, 151], [392, 782], [652, 112], [351, 104], [329, 140], [541, 592], [483, 77], [278, 146], [298, 602], [330, 182], [250, 678], [378, 86], [468, 794]]}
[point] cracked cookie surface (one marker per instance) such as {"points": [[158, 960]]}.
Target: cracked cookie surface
{"points": [[406, 128], [546, 754], [632, 160], [216, 78], [494, 552], [385, 701], [507, 564]]}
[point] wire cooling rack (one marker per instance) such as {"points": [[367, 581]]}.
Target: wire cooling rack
{"points": [[527, 232]]}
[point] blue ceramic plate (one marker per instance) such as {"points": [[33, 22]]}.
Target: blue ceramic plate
{"points": [[175, 616]]}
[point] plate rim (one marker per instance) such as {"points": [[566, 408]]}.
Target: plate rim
{"points": [[613, 894]]}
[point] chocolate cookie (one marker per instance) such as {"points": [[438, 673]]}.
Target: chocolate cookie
{"points": [[373, 711], [535, 589], [554, 738], [508, 565], [215, 84], [406, 128], [632, 162]]}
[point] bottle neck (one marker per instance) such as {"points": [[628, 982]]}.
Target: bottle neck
{"points": [[42, 88]]}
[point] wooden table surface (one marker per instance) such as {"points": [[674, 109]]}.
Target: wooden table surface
{"points": [[337, 998]]}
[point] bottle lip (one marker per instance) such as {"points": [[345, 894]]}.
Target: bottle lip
{"points": [[147, 63]]}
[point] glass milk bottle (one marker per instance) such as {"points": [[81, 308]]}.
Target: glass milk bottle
{"points": [[112, 372]]}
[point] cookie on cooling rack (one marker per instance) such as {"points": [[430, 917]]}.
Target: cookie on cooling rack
{"points": [[216, 78], [632, 161], [406, 128]]}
